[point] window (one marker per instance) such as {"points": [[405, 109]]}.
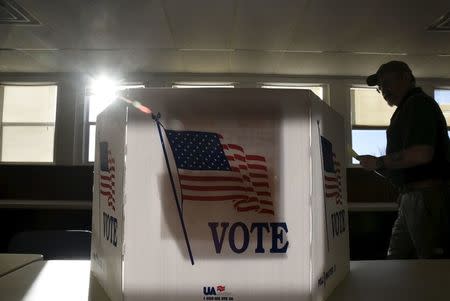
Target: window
{"points": [[442, 97], [27, 123], [316, 89], [202, 85], [370, 118], [98, 97]]}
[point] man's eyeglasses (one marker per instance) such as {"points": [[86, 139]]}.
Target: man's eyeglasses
{"points": [[387, 82]]}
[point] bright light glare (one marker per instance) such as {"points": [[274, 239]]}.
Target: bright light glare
{"points": [[103, 91], [104, 87]]}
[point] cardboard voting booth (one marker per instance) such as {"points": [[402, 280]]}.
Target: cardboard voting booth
{"points": [[220, 194]]}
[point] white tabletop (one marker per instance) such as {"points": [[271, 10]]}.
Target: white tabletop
{"points": [[411, 280], [53, 280], [12, 262], [395, 280]]}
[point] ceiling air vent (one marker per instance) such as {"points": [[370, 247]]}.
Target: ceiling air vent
{"points": [[13, 13], [441, 24]]}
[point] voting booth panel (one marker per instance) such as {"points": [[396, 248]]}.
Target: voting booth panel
{"points": [[330, 241], [107, 205], [220, 197]]}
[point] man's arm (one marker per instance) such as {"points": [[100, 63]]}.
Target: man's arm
{"points": [[410, 157]]}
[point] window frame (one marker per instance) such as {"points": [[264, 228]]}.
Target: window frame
{"points": [[447, 88], [359, 127], [27, 124]]}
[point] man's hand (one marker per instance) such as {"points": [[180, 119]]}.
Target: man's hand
{"points": [[368, 162], [410, 157]]}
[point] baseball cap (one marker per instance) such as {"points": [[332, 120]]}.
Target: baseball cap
{"points": [[392, 66]]}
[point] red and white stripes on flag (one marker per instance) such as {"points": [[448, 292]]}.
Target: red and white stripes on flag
{"points": [[333, 187], [253, 172], [245, 184], [108, 181]]}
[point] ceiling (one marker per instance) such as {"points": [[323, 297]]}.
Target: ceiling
{"points": [[288, 37]]}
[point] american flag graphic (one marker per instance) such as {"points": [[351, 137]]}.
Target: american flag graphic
{"points": [[209, 169], [220, 288], [332, 172], [107, 174]]}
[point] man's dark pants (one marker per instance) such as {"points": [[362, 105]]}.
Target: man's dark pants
{"points": [[422, 228]]}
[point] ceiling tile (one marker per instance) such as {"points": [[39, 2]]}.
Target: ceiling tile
{"points": [[206, 61], [142, 35], [382, 26], [266, 24], [254, 62], [98, 24], [200, 24]]}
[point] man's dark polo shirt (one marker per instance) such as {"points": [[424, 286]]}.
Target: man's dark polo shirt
{"points": [[418, 120]]}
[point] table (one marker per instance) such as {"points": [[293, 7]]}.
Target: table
{"points": [[389, 280], [52, 280], [12, 262], [395, 280]]}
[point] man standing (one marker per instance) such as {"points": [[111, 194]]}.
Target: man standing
{"points": [[417, 162]]}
